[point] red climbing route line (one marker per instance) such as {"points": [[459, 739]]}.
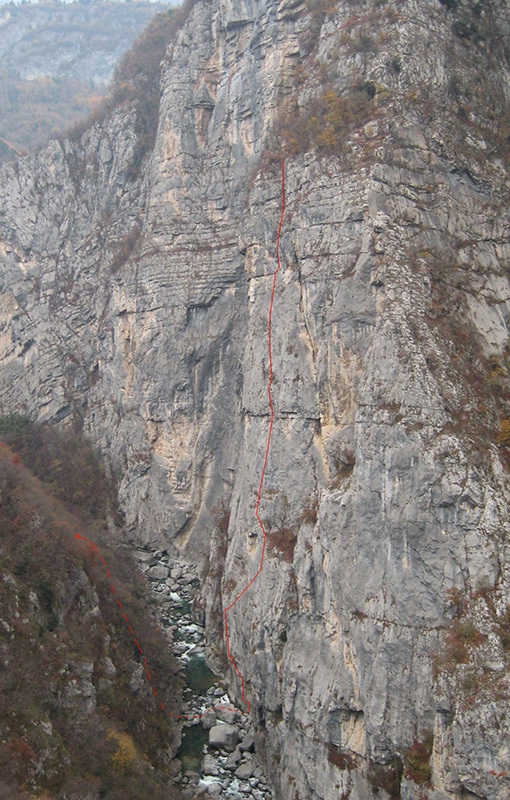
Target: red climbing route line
{"points": [[96, 551], [268, 446], [257, 508]]}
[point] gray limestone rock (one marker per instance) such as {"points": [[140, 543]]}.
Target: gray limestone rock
{"points": [[245, 771], [138, 678], [386, 492], [248, 743], [108, 666], [158, 573], [223, 737], [233, 759], [145, 557], [209, 720], [214, 790], [210, 765], [228, 715]]}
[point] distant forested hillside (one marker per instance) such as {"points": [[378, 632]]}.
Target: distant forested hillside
{"points": [[56, 60]]}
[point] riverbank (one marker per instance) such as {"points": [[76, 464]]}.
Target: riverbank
{"points": [[217, 754]]}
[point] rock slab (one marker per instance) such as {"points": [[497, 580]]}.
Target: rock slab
{"points": [[224, 737]]}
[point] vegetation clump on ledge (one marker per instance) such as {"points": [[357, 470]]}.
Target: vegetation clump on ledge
{"points": [[387, 777], [323, 124], [417, 760]]}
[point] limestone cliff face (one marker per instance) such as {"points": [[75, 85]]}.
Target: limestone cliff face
{"points": [[374, 642]]}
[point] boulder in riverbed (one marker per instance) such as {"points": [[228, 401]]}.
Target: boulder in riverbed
{"points": [[158, 573], [233, 760], [210, 765], [245, 771], [209, 720], [224, 737], [248, 743], [228, 715]]}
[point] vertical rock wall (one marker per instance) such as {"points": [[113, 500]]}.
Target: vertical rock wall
{"points": [[373, 641]]}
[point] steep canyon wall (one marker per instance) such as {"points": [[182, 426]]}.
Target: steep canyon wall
{"points": [[134, 304]]}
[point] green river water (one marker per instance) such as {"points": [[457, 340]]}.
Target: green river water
{"points": [[199, 679]]}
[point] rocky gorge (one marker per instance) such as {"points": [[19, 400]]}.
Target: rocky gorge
{"points": [[217, 753], [135, 284]]}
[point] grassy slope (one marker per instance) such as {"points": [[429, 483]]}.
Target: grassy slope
{"points": [[58, 619]]}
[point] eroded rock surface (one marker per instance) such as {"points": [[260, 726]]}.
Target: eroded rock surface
{"points": [[374, 643]]}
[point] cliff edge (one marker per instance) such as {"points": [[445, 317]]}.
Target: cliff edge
{"points": [[375, 643]]}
